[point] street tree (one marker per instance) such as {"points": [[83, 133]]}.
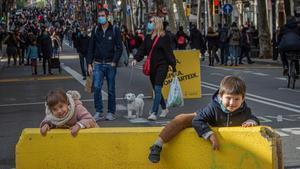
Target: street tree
{"points": [[171, 15], [181, 15], [265, 50]]}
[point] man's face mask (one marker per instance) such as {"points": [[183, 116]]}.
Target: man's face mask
{"points": [[101, 20]]}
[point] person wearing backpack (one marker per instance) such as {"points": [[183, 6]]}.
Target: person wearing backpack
{"points": [[181, 38], [234, 43], [289, 40], [105, 50], [223, 43]]}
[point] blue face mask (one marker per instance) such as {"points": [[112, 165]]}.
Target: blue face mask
{"points": [[101, 20], [222, 106], [150, 26]]}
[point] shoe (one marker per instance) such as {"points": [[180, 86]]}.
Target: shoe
{"points": [[84, 78], [98, 116], [152, 117], [154, 155], [297, 77], [251, 62], [164, 113], [285, 71], [110, 117]]}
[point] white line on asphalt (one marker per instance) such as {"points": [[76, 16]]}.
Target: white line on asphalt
{"points": [[217, 74], [215, 87], [260, 74], [78, 77], [298, 148], [260, 97], [281, 78], [288, 89], [282, 134]]}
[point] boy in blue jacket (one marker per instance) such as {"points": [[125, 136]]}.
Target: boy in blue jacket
{"points": [[32, 54], [227, 108]]}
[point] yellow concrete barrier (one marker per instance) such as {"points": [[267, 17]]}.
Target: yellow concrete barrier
{"points": [[128, 148]]}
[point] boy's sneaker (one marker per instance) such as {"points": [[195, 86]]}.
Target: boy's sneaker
{"points": [[98, 116], [154, 155], [164, 112], [110, 117], [152, 117]]}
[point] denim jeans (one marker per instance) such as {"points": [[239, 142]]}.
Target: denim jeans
{"points": [[233, 52], [108, 72], [158, 99], [83, 66]]}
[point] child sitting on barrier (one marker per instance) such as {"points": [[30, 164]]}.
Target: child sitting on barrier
{"points": [[65, 110], [227, 108]]}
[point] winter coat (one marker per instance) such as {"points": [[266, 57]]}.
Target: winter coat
{"points": [[32, 52], [162, 56], [81, 115], [180, 34], [83, 44], [213, 115], [46, 46], [105, 47], [234, 36], [196, 39], [289, 37], [212, 40]]}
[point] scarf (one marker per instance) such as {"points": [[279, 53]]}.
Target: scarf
{"points": [[71, 95]]}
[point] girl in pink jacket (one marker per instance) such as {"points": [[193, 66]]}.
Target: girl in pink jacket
{"points": [[65, 110]]}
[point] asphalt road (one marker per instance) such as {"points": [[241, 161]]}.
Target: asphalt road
{"points": [[22, 100]]}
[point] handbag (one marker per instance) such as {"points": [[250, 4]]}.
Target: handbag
{"points": [[146, 65], [89, 84]]}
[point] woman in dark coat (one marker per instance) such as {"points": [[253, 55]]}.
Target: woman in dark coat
{"points": [[12, 47], [162, 57], [212, 45]]}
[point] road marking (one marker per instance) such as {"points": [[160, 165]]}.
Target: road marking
{"points": [[261, 99], [217, 74], [78, 77], [282, 134], [264, 120], [281, 78], [295, 131], [40, 78], [288, 89], [279, 118], [298, 148], [260, 74]]}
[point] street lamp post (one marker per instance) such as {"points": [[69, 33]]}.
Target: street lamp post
{"points": [[274, 39]]}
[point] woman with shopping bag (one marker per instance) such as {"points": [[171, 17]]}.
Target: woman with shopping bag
{"points": [[159, 57]]}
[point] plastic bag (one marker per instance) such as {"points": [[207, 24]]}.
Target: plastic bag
{"points": [[175, 97]]}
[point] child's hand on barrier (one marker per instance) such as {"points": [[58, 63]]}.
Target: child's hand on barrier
{"points": [[248, 124], [75, 129], [214, 141], [44, 129]]}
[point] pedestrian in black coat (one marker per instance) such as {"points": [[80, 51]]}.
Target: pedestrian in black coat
{"points": [[162, 57]]}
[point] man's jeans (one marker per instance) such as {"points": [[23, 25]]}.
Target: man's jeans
{"points": [[158, 99], [108, 72]]}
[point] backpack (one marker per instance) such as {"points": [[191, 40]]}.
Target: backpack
{"points": [[235, 36], [132, 42], [223, 36], [181, 40]]}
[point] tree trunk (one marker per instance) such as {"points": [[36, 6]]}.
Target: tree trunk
{"points": [[171, 15], [181, 15], [287, 6], [263, 29]]}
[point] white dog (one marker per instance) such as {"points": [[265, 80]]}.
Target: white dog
{"points": [[134, 104]]}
